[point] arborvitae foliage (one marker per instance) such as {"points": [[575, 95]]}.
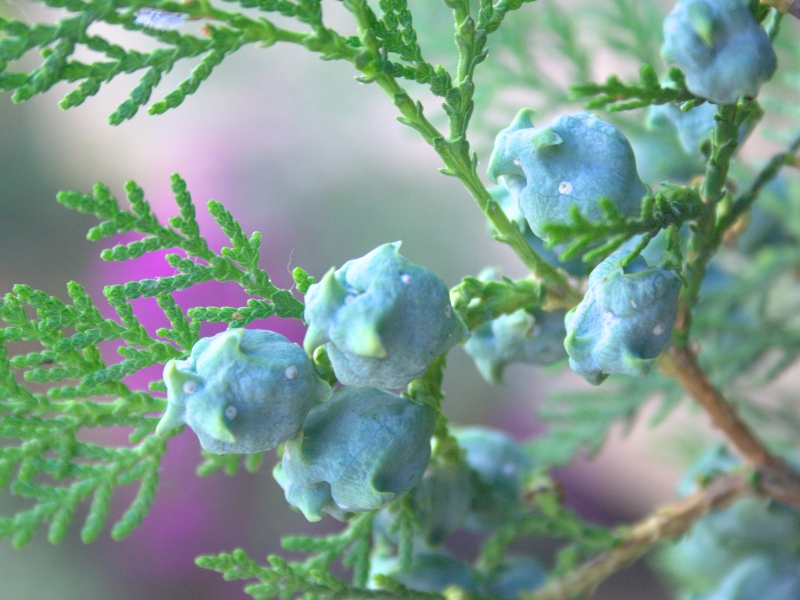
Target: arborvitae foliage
{"points": [[79, 387], [289, 579], [50, 395]]}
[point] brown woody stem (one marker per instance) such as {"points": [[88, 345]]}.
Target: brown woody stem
{"points": [[776, 479], [681, 364], [666, 523], [772, 478]]}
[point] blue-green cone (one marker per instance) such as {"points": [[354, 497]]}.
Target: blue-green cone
{"points": [[693, 127], [624, 321], [723, 52], [705, 558], [382, 319], [356, 452], [440, 503], [574, 161], [760, 577], [535, 338], [515, 575], [429, 572], [498, 465], [765, 228], [241, 391]]}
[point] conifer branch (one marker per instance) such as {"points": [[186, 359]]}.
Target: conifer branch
{"points": [[311, 578], [672, 205], [45, 460], [238, 263], [681, 363], [454, 150], [55, 470], [227, 32], [478, 301], [703, 243], [779, 480], [615, 96], [666, 523]]}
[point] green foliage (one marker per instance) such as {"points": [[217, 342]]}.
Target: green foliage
{"points": [[670, 206], [547, 516], [478, 300], [55, 470], [309, 578], [395, 34], [75, 388], [50, 396], [581, 420], [238, 263], [616, 96], [228, 32]]}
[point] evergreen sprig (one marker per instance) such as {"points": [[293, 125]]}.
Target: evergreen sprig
{"points": [[708, 229], [310, 578], [478, 300], [546, 517], [47, 461], [615, 96], [395, 35], [238, 263], [581, 420], [671, 206], [226, 33]]}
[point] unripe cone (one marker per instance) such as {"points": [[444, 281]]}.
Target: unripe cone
{"points": [[382, 319], [499, 466], [356, 452], [624, 321], [242, 391], [574, 161], [535, 338], [722, 50]]}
